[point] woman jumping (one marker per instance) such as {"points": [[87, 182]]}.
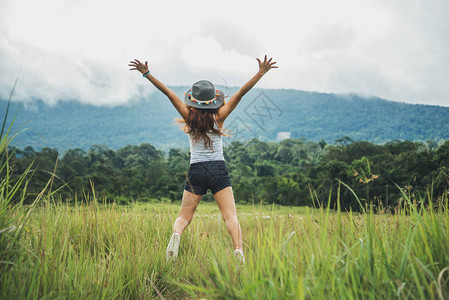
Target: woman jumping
{"points": [[203, 112]]}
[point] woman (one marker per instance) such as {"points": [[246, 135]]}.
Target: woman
{"points": [[204, 112]]}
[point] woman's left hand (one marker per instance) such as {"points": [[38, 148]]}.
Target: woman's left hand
{"points": [[266, 65], [139, 66]]}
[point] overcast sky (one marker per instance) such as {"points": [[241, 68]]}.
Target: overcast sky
{"points": [[79, 49]]}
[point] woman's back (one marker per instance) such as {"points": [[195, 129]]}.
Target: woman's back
{"points": [[199, 153]]}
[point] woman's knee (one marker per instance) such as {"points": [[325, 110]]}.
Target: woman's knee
{"points": [[186, 218], [230, 219]]}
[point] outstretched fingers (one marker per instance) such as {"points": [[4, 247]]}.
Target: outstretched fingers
{"points": [[135, 62], [138, 65], [133, 65], [266, 64]]}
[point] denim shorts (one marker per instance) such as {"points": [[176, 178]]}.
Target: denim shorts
{"points": [[207, 175]]}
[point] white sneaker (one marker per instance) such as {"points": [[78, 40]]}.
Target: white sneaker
{"points": [[173, 245], [239, 255]]}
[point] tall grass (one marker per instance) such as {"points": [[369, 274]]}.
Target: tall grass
{"points": [[95, 251], [10, 218], [13, 214]]}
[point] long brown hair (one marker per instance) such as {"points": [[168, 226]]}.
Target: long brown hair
{"points": [[200, 122]]}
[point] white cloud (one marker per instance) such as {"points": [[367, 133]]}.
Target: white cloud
{"points": [[80, 49], [231, 37], [207, 53]]}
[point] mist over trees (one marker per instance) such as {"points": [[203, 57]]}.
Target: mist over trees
{"points": [[263, 112], [290, 172]]}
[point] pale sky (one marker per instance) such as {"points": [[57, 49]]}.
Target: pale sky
{"points": [[80, 49]]}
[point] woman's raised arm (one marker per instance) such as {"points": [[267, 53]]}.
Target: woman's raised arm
{"points": [[177, 103], [264, 67]]}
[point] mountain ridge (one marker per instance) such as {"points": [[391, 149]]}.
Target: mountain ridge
{"points": [[262, 114]]}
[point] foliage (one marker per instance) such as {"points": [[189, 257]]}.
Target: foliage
{"points": [[310, 115], [13, 186], [281, 173]]}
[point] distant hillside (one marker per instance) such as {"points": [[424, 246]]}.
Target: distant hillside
{"points": [[263, 113]]}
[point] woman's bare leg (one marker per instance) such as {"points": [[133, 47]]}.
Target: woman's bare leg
{"points": [[189, 204], [226, 203]]}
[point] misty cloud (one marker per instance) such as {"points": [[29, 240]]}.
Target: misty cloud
{"points": [[64, 51], [329, 37], [61, 76], [232, 37]]}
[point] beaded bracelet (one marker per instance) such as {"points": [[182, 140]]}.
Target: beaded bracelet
{"points": [[146, 74]]}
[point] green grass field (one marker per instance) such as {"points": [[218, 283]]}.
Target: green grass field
{"points": [[95, 251], [51, 250]]}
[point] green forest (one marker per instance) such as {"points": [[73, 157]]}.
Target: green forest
{"points": [[374, 146], [262, 114], [291, 172]]}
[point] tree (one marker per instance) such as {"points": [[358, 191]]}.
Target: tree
{"points": [[361, 170], [264, 168], [344, 141]]}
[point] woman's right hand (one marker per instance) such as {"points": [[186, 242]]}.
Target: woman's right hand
{"points": [[266, 65], [139, 66]]}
